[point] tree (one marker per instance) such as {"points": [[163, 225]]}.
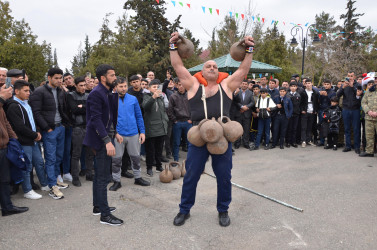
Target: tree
{"points": [[155, 30], [19, 47], [351, 27], [55, 62]]}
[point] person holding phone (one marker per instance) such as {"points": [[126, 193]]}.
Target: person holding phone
{"points": [[352, 96]]}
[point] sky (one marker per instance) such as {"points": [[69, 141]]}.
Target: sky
{"points": [[64, 24]]}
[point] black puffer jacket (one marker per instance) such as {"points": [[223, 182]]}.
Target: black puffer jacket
{"points": [[43, 105], [20, 122]]}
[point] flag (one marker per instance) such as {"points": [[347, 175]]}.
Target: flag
{"points": [[189, 5], [204, 9], [173, 2]]}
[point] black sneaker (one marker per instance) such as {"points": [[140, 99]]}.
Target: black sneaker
{"points": [[164, 159], [82, 173], [140, 181], [149, 172], [96, 210], [127, 174], [89, 177], [111, 220], [180, 219], [224, 219], [159, 169]]}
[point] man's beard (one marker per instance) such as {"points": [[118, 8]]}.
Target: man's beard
{"points": [[111, 85]]}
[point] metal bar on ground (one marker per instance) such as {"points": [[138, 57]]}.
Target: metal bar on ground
{"points": [[262, 195]]}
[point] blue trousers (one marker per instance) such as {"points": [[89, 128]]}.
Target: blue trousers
{"points": [[34, 154], [352, 117], [53, 145], [179, 128], [102, 177], [263, 126], [195, 163], [280, 129]]}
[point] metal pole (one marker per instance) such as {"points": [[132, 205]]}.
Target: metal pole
{"points": [[262, 195], [303, 56]]}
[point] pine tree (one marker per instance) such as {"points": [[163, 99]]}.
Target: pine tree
{"points": [[350, 25]]}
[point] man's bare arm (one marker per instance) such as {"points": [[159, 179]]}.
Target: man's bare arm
{"points": [[233, 81], [183, 74]]}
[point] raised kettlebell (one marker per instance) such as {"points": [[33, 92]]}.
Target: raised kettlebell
{"points": [[219, 147], [175, 169], [193, 135], [183, 168], [232, 129], [238, 50], [211, 131], [166, 175], [185, 47]]}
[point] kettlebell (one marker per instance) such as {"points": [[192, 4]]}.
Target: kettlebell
{"points": [[183, 168], [166, 175], [185, 47], [238, 50], [193, 135], [232, 129], [175, 169], [219, 147], [211, 131]]}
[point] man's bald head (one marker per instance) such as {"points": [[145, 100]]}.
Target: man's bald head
{"points": [[210, 71]]}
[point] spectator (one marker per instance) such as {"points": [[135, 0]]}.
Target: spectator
{"points": [[351, 111], [21, 118], [47, 103], [150, 75], [7, 207], [369, 105], [77, 105], [325, 95], [272, 90], [254, 118], [307, 119], [69, 81], [293, 121], [245, 102], [179, 115], [284, 112], [3, 76], [128, 122], [156, 125], [330, 125], [264, 107]]}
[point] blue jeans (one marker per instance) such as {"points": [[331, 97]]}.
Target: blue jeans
{"points": [[53, 145], [102, 177], [195, 163], [263, 125], [178, 129], [352, 117], [67, 150], [34, 154]]}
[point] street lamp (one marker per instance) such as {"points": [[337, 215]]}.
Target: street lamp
{"points": [[294, 42]]}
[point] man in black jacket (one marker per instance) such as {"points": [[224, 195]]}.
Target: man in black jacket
{"points": [[293, 121], [47, 103], [179, 115], [310, 114], [351, 111], [21, 118], [77, 105], [244, 101]]}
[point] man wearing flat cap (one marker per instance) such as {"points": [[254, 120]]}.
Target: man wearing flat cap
{"points": [[15, 74]]}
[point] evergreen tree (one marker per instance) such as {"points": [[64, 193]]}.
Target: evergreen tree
{"points": [[55, 63], [351, 26], [155, 30]]}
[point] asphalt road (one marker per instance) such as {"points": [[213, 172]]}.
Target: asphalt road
{"points": [[336, 190]]}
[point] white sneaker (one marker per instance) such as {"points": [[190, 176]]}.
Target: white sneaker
{"points": [[55, 193], [67, 177], [142, 158], [32, 195], [60, 179], [303, 144], [45, 188]]}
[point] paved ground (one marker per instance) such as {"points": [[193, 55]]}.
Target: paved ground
{"points": [[336, 190]]}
